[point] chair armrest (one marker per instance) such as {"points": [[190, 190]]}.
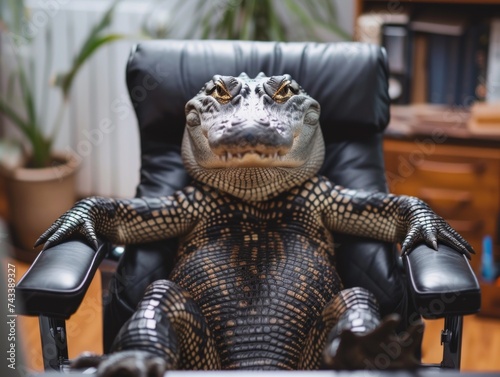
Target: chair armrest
{"points": [[442, 282], [58, 279]]}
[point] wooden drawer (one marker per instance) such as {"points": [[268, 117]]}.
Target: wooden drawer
{"points": [[459, 204], [461, 184], [406, 166]]}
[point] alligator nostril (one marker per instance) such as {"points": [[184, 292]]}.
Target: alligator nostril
{"points": [[236, 100], [267, 100], [250, 138]]}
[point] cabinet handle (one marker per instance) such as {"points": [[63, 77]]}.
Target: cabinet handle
{"points": [[476, 168]]}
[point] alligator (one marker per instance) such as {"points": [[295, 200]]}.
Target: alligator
{"points": [[255, 284]]}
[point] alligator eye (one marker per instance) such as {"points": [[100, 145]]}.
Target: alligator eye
{"points": [[284, 92], [220, 93]]}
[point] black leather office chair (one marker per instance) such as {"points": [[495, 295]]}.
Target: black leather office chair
{"points": [[350, 82]]}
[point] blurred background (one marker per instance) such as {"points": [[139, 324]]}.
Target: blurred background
{"points": [[64, 106]]}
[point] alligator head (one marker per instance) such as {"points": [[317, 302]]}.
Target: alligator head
{"points": [[252, 138]]}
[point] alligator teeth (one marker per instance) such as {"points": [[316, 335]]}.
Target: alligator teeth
{"points": [[228, 155]]}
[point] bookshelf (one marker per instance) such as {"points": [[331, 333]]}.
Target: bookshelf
{"points": [[443, 141]]}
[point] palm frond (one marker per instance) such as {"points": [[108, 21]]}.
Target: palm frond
{"points": [[94, 40], [65, 80], [28, 122], [14, 116]]}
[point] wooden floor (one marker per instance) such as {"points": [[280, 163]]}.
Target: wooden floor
{"points": [[480, 349]]}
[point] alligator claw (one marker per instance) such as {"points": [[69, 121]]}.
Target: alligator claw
{"points": [[429, 228], [78, 219], [380, 348], [123, 364]]}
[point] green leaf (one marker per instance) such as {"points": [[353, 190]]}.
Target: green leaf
{"points": [[65, 80], [336, 30], [46, 74], [304, 19], [10, 84], [93, 41], [17, 16], [104, 22], [312, 15], [14, 116], [248, 14], [276, 27], [41, 146], [27, 94]]}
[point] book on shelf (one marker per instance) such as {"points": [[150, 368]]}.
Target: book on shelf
{"points": [[449, 59], [473, 64], [419, 70], [396, 40], [369, 25], [390, 29], [442, 36]]}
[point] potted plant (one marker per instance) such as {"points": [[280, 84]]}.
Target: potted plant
{"points": [[41, 184], [261, 20]]}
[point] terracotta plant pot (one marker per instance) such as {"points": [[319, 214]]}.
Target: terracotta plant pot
{"points": [[37, 197]]}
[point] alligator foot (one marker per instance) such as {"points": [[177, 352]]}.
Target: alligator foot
{"points": [[123, 364], [380, 348]]}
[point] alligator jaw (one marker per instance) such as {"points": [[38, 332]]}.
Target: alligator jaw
{"points": [[251, 159]]}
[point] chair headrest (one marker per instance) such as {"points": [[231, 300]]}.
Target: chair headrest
{"points": [[349, 80]]}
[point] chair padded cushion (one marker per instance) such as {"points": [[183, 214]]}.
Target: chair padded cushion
{"points": [[349, 80], [434, 274], [58, 279]]}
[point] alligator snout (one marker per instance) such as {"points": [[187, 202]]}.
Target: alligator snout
{"points": [[259, 137]]}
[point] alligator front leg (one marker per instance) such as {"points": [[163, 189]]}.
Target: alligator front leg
{"points": [[404, 219], [125, 221]]}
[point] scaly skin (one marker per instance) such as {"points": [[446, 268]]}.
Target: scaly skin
{"points": [[255, 284]]}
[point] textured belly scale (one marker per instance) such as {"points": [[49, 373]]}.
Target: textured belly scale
{"points": [[261, 285]]}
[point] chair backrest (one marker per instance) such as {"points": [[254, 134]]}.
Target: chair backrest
{"points": [[349, 80]]}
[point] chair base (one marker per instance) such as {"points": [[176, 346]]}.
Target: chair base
{"points": [[54, 343]]}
